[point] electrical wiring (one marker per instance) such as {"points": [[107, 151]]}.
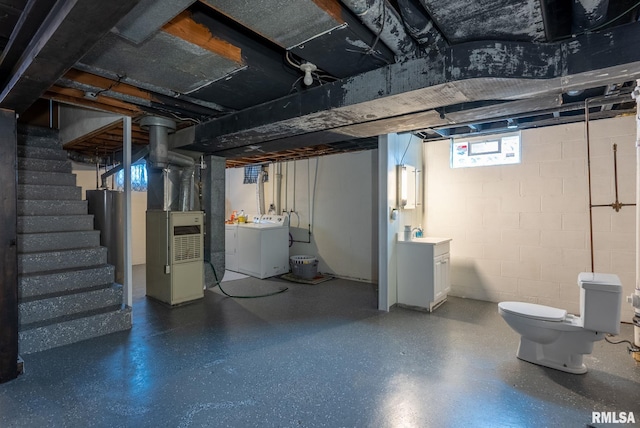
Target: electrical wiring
{"points": [[287, 56], [616, 18], [631, 347], [110, 87], [601, 26], [320, 75], [372, 49], [255, 296]]}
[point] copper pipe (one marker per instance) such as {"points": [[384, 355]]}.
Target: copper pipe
{"points": [[586, 123]]}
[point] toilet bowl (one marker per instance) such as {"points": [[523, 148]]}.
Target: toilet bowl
{"points": [[553, 338]]}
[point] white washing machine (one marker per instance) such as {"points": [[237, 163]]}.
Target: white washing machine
{"points": [[263, 246], [231, 258]]}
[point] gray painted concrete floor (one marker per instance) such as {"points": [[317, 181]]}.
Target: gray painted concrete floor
{"points": [[315, 356]]}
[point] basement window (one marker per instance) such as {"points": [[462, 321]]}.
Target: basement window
{"points": [[138, 177], [486, 151], [251, 174]]}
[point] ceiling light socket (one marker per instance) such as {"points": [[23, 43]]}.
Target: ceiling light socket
{"points": [[308, 68]]}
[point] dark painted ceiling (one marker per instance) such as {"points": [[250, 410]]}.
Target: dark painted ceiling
{"points": [[235, 69]]}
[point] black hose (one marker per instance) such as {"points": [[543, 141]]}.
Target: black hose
{"points": [[631, 347], [242, 297]]}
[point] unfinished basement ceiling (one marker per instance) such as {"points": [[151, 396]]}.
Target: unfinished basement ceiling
{"points": [[234, 70]]}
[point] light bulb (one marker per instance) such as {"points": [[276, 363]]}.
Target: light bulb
{"points": [[308, 79], [308, 68]]}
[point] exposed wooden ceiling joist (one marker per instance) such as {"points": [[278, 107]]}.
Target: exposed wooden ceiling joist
{"points": [[65, 36], [185, 28]]}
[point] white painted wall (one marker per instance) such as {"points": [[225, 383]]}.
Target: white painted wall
{"points": [[394, 149], [344, 233], [521, 232], [86, 178]]}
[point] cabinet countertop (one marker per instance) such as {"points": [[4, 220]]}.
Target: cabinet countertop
{"points": [[429, 240]]}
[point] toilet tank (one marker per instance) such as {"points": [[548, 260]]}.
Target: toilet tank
{"points": [[600, 301]]}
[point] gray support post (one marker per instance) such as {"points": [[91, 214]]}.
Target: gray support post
{"points": [[126, 160], [214, 205], [8, 248]]}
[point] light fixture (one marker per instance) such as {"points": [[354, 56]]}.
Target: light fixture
{"points": [[512, 124], [308, 68], [406, 177]]}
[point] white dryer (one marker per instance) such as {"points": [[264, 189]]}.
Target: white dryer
{"points": [[263, 247]]}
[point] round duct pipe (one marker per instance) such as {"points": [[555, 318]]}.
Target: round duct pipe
{"points": [[383, 20], [159, 129], [587, 14]]}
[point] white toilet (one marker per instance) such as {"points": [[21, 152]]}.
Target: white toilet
{"points": [[553, 338]]}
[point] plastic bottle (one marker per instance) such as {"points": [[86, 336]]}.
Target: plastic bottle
{"points": [[419, 231]]}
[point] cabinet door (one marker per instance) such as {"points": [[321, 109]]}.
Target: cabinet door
{"points": [[442, 281]]}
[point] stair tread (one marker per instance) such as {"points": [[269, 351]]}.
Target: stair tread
{"points": [[71, 317], [74, 329], [65, 250], [62, 232], [51, 307], [74, 292], [62, 271]]}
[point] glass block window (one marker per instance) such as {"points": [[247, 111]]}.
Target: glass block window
{"points": [[251, 174], [138, 177], [485, 151]]}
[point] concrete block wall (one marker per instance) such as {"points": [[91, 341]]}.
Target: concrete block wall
{"points": [[521, 232]]}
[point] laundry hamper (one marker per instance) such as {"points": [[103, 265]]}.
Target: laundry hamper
{"points": [[304, 266]]}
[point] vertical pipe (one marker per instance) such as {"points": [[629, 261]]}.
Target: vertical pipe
{"points": [[8, 248], [636, 299], [586, 130], [126, 159]]}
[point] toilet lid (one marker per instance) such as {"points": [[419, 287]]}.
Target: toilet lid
{"points": [[531, 310]]}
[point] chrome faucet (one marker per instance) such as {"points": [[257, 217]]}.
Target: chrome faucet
{"points": [[416, 232]]}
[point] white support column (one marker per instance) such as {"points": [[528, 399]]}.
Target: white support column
{"points": [[126, 160]]}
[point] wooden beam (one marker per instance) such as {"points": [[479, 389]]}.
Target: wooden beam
{"points": [[8, 248], [76, 97], [105, 84], [332, 7], [66, 35], [185, 28]]}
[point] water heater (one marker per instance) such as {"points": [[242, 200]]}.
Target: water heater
{"points": [[175, 255]]}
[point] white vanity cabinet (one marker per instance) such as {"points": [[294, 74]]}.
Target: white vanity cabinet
{"points": [[423, 272]]}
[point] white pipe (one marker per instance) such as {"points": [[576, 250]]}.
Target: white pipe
{"points": [[278, 184], [260, 192], [634, 299], [294, 185]]}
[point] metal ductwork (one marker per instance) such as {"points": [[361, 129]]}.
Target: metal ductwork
{"points": [[420, 25], [170, 173], [159, 129], [384, 21], [588, 14]]}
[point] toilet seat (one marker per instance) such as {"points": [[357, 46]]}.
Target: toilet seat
{"points": [[533, 311]]}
